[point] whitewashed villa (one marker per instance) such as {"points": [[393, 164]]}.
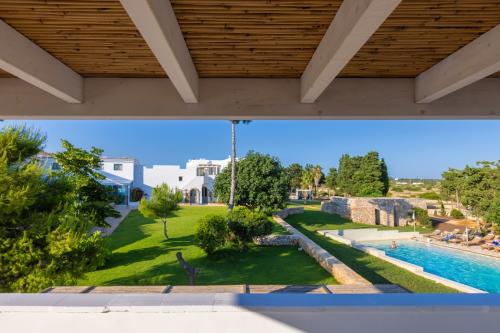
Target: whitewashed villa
{"points": [[125, 173]]}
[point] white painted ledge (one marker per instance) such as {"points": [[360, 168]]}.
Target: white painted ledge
{"points": [[244, 313]]}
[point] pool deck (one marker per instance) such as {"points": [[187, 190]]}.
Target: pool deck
{"points": [[471, 249]]}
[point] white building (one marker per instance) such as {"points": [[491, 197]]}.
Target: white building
{"points": [[123, 174]]}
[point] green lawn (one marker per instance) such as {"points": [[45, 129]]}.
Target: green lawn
{"points": [[373, 269], [141, 256]]}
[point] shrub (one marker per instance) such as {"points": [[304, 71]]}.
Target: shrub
{"points": [[397, 189], [430, 196], [211, 233], [245, 224], [422, 217], [136, 194], [442, 210], [456, 214]]}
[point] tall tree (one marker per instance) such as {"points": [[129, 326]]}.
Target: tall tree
{"points": [[233, 160], [44, 241], [89, 196], [308, 177], [261, 183], [317, 174], [363, 175], [294, 174], [162, 202], [475, 188], [331, 179]]}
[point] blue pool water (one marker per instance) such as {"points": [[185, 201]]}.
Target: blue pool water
{"points": [[474, 270]]}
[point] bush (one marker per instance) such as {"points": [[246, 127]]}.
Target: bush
{"points": [[422, 217], [397, 189], [456, 214], [430, 196], [211, 233], [136, 194], [245, 224]]}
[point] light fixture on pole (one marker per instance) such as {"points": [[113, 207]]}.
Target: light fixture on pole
{"points": [[414, 221]]}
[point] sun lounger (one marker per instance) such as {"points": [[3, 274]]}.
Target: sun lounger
{"points": [[434, 233], [456, 240], [475, 241], [495, 243]]}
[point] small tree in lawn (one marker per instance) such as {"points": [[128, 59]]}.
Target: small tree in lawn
{"points": [[163, 201]]}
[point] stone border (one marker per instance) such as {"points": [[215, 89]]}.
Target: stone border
{"points": [[340, 271], [415, 269]]}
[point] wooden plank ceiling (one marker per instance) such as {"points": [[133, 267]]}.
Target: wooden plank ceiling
{"points": [[248, 38]]}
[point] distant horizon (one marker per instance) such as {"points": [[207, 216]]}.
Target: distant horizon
{"points": [[411, 149]]}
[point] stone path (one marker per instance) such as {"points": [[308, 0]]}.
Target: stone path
{"points": [[231, 289], [114, 222]]}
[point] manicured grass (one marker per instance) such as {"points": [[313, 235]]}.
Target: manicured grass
{"points": [[141, 256], [373, 269]]}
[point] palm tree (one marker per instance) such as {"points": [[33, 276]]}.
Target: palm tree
{"points": [[233, 161], [317, 172]]}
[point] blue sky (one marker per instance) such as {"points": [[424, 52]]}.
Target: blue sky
{"points": [[411, 148]]}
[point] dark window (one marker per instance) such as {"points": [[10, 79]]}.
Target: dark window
{"points": [[180, 179], [118, 167]]}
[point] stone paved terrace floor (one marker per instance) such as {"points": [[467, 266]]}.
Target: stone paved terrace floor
{"points": [[233, 289]]}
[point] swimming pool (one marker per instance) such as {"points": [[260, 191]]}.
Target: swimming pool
{"points": [[471, 269]]}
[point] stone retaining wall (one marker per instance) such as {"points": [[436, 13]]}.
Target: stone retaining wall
{"points": [[376, 211], [284, 213], [340, 271], [276, 240]]}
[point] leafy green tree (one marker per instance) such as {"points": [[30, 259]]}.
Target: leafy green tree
{"points": [[161, 204], [475, 188], [233, 161], [294, 174], [363, 175], [43, 240], [331, 179], [261, 183], [89, 197]]}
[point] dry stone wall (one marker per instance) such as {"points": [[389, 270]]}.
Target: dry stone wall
{"points": [[374, 211]]}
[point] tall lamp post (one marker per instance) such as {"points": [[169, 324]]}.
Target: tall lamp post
{"points": [[414, 221]]}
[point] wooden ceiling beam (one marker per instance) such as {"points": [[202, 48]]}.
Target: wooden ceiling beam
{"points": [[156, 21], [22, 58], [227, 99], [473, 62], [355, 22]]}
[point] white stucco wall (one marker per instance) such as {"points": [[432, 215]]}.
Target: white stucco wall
{"points": [[128, 168]]}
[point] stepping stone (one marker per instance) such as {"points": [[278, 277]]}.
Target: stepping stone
{"points": [[294, 289], [232, 289], [129, 290]]}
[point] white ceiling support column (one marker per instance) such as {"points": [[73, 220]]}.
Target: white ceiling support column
{"points": [[22, 58], [158, 25], [475, 61], [355, 22]]}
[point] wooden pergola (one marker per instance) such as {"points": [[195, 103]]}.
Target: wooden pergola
{"points": [[250, 59]]}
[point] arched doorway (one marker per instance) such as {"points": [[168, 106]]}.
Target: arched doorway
{"points": [[193, 196], [204, 195]]}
